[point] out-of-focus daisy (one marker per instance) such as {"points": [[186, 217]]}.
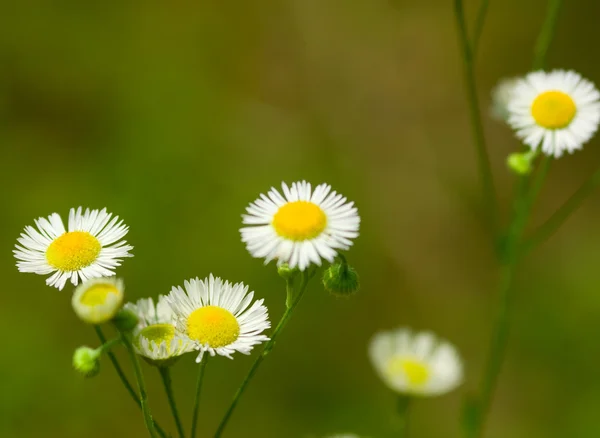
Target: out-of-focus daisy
{"points": [[556, 111], [92, 247], [98, 300], [415, 363], [156, 337], [301, 227], [501, 96], [218, 317]]}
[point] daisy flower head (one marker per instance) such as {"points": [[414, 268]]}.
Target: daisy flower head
{"points": [[156, 338], [90, 247], [415, 363], [555, 111], [218, 317], [98, 300], [300, 227]]}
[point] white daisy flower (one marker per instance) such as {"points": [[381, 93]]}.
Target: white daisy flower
{"points": [[98, 300], [156, 337], [217, 316], [90, 248], [556, 111], [415, 363], [501, 96], [300, 227]]}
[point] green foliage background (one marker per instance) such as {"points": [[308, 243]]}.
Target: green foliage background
{"points": [[175, 115]]}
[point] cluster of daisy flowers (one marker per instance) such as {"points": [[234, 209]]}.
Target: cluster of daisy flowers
{"points": [[552, 112], [297, 227]]}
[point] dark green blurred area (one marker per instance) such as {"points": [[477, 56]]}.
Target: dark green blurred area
{"points": [[176, 115]]}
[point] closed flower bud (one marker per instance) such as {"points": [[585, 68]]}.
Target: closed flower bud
{"points": [[520, 163], [125, 320], [98, 300], [286, 272], [86, 360], [341, 280]]}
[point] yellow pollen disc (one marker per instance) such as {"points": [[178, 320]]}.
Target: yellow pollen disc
{"points": [[96, 294], [299, 220], [213, 325], [157, 333], [73, 250], [416, 372], [553, 109]]}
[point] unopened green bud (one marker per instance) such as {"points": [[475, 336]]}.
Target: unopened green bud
{"points": [[341, 280], [286, 272], [125, 320], [521, 163], [86, 360]]}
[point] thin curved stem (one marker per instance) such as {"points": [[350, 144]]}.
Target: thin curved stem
{"points": [[266, 350], [141, 385], [509, 252], [165, 374], [479, 22], [201, 369], [561, 215], [483, 159], [546, 34], [403, 414]]}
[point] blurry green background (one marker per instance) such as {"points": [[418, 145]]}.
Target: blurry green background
{"points": [[175, 115]]}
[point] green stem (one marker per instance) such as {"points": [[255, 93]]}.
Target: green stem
{"points": [[546, 34], [123, 377], [107, 346], [403, 415], [483, 160], [555, 221], [479, 22], [165, 374], [118, 368], [137, 370], [508, 261], [266, 350], [196, 410]]}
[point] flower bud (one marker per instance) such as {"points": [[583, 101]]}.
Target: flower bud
{"points": [[98, 300], [286, 272], [125, 320], [341, 280], [86, 360], [520, 163]]}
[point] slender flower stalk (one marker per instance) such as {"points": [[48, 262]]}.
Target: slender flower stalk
{"points": [[115, 363], [527, 192], [291, 304], [485, 169], [165, 374], [141, 386], [403, 415], [479, 22], [201, 368]]}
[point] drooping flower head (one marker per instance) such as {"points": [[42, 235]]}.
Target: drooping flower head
{"points": [[156, 338], [98, 300], [415, 363], [90, 248], [555, 111], [219, 317], [301, 227]]}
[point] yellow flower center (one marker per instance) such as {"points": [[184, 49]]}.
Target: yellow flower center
{"points": [[158, 333], [96, 294], [417, 373], [553, 109], [73, 250], [213, 326], [299, 220]]}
